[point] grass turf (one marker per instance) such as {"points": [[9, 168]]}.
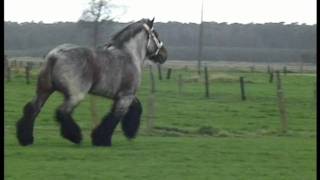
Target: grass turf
{"points": [[223, 137]]}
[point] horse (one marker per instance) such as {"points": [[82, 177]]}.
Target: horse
{"points": [[112, 71]]}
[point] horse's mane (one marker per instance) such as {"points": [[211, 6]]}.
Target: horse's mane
{"points": [[127, 33]]}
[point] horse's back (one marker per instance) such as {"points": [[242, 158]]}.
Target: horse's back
{"points": [[70, 52]]}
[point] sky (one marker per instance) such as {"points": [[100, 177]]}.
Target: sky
{"points": [[230, 11]]}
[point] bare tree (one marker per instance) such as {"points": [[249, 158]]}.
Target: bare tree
{"points": [[92, 18], [200, 45], [97, 13]]}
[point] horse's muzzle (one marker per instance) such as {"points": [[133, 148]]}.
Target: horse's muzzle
{"points": [[161, 57]]}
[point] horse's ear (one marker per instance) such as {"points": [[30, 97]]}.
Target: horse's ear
{"points": [[151, 22]]}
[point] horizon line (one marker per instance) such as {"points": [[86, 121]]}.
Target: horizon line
{"points": [[221, 22]]}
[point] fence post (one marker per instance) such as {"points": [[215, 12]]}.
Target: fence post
{"points": [[315, 91], [180, 82], [252, 68], [270, 77], [285, 70], [186, 68], [153, 88], [151, 112], [281, 104], [14, 63], [6, 65], [31, 64], [159, 71], [8, 74], [268, 70], [243, 96], [151, 102], [206, 81], [93, 111], [27, 69], [169, 73], [301, 67], [17, 68]]}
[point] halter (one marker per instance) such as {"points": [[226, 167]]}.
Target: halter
{"points": [[151, 35]]}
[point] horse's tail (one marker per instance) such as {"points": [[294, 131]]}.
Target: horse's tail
{"points": [[45, 76], [131, 121], [24, 126]]}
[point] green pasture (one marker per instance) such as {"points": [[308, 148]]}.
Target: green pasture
{"points": [[194, 137]]}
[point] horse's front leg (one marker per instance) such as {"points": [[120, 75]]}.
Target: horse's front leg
{"points": [[101, 135]]}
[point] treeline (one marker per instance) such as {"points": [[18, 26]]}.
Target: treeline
{"points": [[269, 42]]}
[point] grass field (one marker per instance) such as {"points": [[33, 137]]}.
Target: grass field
{"points": [[194, 137]]}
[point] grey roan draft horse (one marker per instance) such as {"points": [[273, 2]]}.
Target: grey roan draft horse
{"points": [[112, 71]]}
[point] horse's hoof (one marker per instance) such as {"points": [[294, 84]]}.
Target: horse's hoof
{"points": [[24, 134], [99, 138], [101, 142], [71, 131], [25, 141], [73, 136]]}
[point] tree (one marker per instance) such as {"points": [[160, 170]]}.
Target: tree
{"points": [[98, 13]]}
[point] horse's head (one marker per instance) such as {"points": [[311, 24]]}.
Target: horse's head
{"points": [[156, 51], [161, 57]]}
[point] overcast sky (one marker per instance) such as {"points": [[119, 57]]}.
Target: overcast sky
{"points": [[230, 11]]}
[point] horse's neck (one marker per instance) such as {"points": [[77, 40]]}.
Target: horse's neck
{"points": [[136, 46]]}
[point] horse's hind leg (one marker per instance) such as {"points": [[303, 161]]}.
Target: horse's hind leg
{"points": [[30, 111], [68, 128]]}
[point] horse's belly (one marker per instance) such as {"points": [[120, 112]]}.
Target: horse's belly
{"points": [[113, 84], [103, 91]]}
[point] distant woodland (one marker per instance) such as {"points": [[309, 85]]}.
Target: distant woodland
{"points": [[269, 42]]}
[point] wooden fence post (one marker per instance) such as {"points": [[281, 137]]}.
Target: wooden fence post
{"points": [[151, 112], [93, 111], [153, 88], [270, 77], [285, 70], [315, 91], [27, 71], [268, 70], [243, 96], [17, 68], [31, 64], [8, 74], [206, 76], [281, 104], [186, 68], [169, 73], [14, 63], [301, 67], [159, 71], [6, 65], [252, 68], [151, 102], [180, 82]]}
